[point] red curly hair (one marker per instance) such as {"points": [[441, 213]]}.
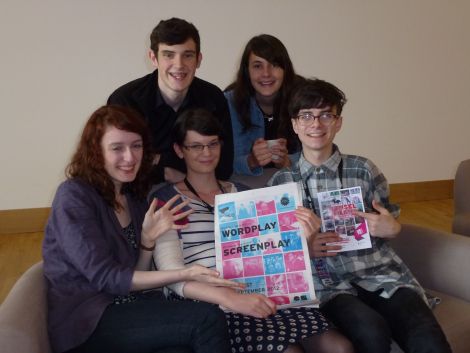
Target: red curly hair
{"points": [[87, 162]]}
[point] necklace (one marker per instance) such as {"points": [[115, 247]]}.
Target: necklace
{"points": [[268, 117], [191, 188]]}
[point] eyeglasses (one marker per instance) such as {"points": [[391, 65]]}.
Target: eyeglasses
{"points": [[325, 118], [197, 147]]}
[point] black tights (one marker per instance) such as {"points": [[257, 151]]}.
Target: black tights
{"points": [[330, 341], [371, 322]]}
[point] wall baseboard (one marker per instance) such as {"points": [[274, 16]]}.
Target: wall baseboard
{"points": [[31, 220], [422, 191], [25, 220]]}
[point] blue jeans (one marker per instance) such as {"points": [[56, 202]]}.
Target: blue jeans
{"points": [[371, 322], [152, 324]]}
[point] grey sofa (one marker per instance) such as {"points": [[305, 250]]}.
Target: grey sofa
{"points": [[440, 260], [23, 315], [461, 223]]}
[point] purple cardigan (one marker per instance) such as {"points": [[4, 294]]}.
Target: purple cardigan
{"points": [[87, 261]]}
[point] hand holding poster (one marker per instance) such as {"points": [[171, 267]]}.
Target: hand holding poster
{"points": [[258, 242]]}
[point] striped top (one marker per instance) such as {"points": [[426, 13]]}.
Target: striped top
{"points": [[192, 245]]}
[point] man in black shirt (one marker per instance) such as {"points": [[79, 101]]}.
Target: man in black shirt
{"points": [[172, 88]]}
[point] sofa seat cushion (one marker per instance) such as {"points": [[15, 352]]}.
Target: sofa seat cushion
{"points": [[453, 315]]}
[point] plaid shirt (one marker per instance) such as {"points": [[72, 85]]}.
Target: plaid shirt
{"points": [[375, 269]]}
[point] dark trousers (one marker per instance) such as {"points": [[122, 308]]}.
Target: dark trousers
{"points": [[152, 324], [371, 322]]}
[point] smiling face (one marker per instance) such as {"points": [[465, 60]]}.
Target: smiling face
{"points": [[265, 77], [317, 138], [122, 154], [201, 162], [176, 66]]}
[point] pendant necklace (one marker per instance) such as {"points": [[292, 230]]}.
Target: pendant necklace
{"points": [[268, 117]]}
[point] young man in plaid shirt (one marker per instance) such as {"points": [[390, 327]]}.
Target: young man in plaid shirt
{"points": [[369, 294]]}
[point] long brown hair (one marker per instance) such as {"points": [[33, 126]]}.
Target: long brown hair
{"points": [[271, 49], [87, 162]]}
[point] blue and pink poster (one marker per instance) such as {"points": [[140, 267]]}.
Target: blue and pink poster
{"points": [[259, 242]]}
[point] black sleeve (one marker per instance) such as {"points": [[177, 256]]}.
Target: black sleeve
{"points": [[124, 96], [225, 167], [118, 98]]}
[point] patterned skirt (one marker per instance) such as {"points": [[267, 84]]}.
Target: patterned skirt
{"points": [[275, 333]]}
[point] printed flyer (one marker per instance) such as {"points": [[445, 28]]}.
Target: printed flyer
{"points": [[336, 208], [258, 242]]}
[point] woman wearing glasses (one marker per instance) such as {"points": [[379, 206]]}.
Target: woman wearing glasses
{"points": [[254, 322], [257, 101]]}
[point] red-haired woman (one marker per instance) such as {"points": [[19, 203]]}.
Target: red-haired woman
{"points": [[98, 246]]}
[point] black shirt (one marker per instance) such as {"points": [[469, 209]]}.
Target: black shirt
{"points": [[144, 96]]}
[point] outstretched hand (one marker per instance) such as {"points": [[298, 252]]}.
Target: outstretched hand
{"points": [[159, 222], [318, 243], [381, 224], [253, 304], [205, 275]]}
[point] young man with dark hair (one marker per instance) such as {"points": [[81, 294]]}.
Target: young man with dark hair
{"points": [[369, 294], [172, 88]]}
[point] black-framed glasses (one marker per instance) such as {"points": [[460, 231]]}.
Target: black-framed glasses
{"points": [[198, 147], [325, 118]]}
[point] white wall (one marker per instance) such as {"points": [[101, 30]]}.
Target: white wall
{"points": [[403, 64]]}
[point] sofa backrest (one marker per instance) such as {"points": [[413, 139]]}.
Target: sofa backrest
{"points": [[462, 187]]}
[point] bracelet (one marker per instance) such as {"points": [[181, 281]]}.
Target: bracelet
{"points": [[143, 247]]}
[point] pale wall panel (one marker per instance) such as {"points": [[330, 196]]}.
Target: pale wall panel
{"points": [[403, 65]]}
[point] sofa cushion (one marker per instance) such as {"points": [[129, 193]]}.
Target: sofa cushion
{"points": [[454, 316]]}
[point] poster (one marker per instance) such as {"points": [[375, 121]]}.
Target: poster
{"points": [[336, 209], [258, 242]]}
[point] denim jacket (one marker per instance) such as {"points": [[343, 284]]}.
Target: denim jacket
{"points": [[243, 140]]}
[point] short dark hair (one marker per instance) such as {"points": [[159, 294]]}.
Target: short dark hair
{"points": [[315, 93], [200, 120], [174, 31]]}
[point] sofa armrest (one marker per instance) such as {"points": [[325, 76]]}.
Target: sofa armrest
{"points": [[439, 260], [462, 188], [23, 315], [461, 223]]}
